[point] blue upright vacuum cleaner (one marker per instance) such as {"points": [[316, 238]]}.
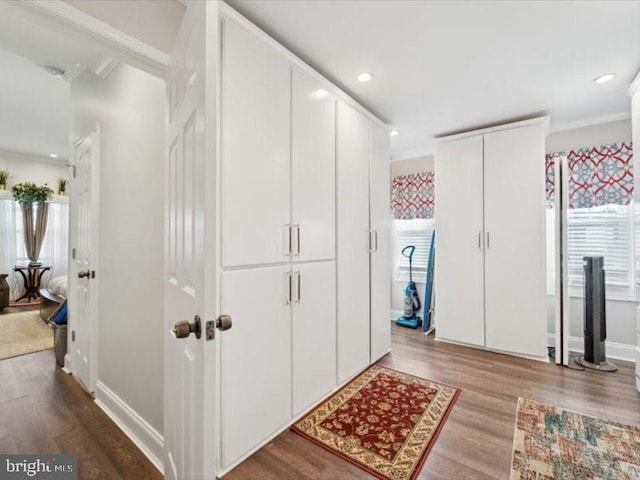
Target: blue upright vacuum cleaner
{"points": [[411, 299]]}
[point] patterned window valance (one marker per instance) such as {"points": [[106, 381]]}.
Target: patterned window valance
{"points": [[599, 176], [412, 196]]}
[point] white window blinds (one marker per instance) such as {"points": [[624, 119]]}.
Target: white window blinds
{"points": [[416, 233], [602, 231]]}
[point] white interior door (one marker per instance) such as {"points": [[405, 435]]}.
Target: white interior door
{"points": [[313, 330], [83, 303], [515, 310], [353, 241], [255, 357], [256, 99], [459, 279], [313, 171], [190, 247]]}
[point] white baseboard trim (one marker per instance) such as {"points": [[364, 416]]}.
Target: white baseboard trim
{"points": [[395, 314], [137, 429], [67, 364], [619, 351]]}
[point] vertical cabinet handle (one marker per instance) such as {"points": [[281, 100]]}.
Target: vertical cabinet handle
{"points": [[479, 240], [298, 289], [370, 233], [488, 241], [296, 227], [287, 240], [289, 297], [375, 240]]}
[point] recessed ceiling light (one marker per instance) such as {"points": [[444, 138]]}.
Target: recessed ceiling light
{"points": [[604, 78], [54, 71], [365, 77], [393, 133], [53, 155]]}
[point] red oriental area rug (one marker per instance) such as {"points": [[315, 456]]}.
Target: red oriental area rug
{"points": [[383, 421], [551, 443]]}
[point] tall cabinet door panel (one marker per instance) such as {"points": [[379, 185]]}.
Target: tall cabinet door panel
{"points": [[459, 276], [353, 241], [515, 225], [255, 151], [381, 251], [256, 358], [313, 170], [313, 329]]}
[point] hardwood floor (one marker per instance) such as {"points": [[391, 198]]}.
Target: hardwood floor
{"points": [[43, 410], [477, 437]]}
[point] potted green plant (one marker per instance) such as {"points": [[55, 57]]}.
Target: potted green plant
{"points": [[4, 178], [33, 203], [62, 185]]}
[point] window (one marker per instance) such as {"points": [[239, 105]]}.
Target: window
{"points": [[415, 232], [605, 231]]}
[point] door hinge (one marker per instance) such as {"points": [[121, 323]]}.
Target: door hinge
{"points": [[73, 253], [73, 335]]}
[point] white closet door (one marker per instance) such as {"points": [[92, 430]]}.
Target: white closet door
{"points": [[381, 251], [515, 253], [353, 241], [313, 330], [255, 151], [459, 271], [313, 170], [255, 359]]}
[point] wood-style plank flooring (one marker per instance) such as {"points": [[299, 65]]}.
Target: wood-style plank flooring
{"points": [[477, 437], [45, 411]]}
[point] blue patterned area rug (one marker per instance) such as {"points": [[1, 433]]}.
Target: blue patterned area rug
{"points": [[552, 443]]}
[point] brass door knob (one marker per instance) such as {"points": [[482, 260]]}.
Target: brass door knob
{"points": [[223, 322], [184, 328], [86, 274]]}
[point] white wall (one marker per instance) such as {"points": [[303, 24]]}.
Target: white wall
{"points": [[26, 169], [594, 135], [620, 314], [153, 22], [406, 167], [130, 106]]}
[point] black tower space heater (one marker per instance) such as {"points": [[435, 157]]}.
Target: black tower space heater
{"points": [[595, 317]]}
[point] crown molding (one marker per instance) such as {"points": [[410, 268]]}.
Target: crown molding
{"points": [[136, 51]]}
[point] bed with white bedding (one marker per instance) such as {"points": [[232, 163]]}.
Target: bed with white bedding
{"points": [[53, 296]]}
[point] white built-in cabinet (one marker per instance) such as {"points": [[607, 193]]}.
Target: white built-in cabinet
{"points": [[353, 241], [303, 241], [380, 214], [490, 224]]}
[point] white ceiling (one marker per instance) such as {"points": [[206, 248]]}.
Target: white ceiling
{"points": [[34, 109], [448, 66]]}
